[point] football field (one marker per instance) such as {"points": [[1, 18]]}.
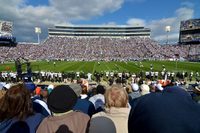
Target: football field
{"points": [[102, 66]]}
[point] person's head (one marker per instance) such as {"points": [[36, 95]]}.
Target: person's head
{"points": [[30, 86], [100, 89], [45, 93], [152, 87], [62, 99], [76, 88], [16, 103], [144, 89], [117, 97], [128, 89], [135, 87], [84, 90], [38, 91]]}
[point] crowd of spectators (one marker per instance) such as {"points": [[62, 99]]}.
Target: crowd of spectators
{"points": [[110, 77], [76, 48], [139, 107]]}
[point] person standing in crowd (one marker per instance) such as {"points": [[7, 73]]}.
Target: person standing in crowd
{"points": [[98, 100], [44, 94], [102, 124], [117, 108], [170, 111], [82, 104], [61, 102], [16, 106], [136, 91], [39, 105], [144, 89]]}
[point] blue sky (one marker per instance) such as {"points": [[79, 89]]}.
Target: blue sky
{"points": [[154, 14]]}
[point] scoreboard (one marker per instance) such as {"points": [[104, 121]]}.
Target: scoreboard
{"points": [[6, 38], [6, 26], [189, 31]]}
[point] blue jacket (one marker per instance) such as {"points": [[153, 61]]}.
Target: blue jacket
{"points": [[31, 123], [85, 106], [171, 111]]}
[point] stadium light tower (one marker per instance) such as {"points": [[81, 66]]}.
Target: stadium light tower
{"points": [[38, 32], [167, 29]]}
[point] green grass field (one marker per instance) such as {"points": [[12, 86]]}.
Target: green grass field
{"points": [[91, 66]]}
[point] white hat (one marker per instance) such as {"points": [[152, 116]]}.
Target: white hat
{"points": [[135, 87], [144, 89], [159, 87]]}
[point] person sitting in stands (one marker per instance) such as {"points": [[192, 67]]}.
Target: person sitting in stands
{"points": [[83, 105], [44, 94], [170, 111], [136, 91], [98, 100], [117, 108], [39, 105], [15, 106], [63, 119]]}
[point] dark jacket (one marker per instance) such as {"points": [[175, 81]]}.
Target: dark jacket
{"points": [[32, 123], [85, 106], [172, 111]]}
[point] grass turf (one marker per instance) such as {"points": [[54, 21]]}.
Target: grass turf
{"points": [[91, 66]]}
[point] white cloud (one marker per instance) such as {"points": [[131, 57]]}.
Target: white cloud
{"points": [[184, 13], [136, 22], [26, 17], [79, 9], [158, 26]]}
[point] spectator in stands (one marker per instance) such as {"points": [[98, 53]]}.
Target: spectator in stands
{"points": [[171, 111], [136, 91], [102, 124], [98, 100], [65, 48], [50, 88], [83, 105], [61, 102], [44, 94], [116, 108], [144, 89], [39, 105], [16, 106]]}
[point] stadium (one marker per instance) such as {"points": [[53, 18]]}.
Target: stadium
{"points": [[100, 78], [101, 43]]}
